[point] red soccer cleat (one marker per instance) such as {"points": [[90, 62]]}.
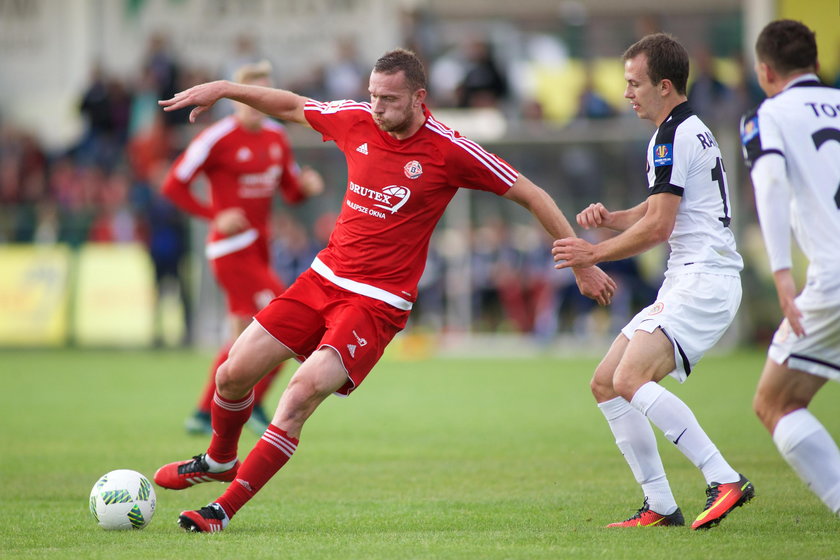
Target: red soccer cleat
{"points": [[721, 499], [209, 519], [183, 474], [645, 517]]}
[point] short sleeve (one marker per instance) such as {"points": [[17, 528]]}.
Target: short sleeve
{"points": [[759, 136]]}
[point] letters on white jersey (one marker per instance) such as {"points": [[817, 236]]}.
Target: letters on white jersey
{"points": [[802, 125], [684, 159]]}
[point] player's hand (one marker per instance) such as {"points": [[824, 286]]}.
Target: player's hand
{"points": [[786, 290], [311, 182], [595, 284], [593, 216], [231, 221], [202, 97], [573, 252]]}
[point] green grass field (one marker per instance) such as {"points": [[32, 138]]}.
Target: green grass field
{"points": [[439, 458]]}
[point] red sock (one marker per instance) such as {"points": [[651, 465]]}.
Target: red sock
{"points": [[227, 419], [210, 386], [265, 384], [269, 455]]}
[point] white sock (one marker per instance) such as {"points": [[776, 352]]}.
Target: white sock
{"points": [[808, 447], [215, 466], [677, 422], [637, 442]]}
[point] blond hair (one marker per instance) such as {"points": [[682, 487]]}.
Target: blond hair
{"points": [[253, 71]]}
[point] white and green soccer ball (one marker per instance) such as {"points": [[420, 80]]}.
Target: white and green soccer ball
{"points": [[122, 499]]}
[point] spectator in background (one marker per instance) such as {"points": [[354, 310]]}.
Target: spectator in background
{"points": [[591, 104], [709, 97], [167, 231], [345, 76], [483, 83]]}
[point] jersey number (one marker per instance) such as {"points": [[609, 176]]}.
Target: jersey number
{"points": [[821, 137], [719, 178]]}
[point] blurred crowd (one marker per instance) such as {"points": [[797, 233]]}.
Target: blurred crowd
{"points": [[105, 187]]}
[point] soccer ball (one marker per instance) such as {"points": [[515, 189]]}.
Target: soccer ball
{"points": [[122, 499]]}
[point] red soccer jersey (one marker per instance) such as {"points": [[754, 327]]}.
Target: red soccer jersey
{"points": [[244, 169], [397, 191]]}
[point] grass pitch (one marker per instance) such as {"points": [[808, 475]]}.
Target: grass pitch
{"points": [[439, 458]]}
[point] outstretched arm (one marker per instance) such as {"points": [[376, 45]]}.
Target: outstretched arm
{"points": [[277, 103], [592, 281]]}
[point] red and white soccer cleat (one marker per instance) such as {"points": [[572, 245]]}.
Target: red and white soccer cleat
{"points": [[183, 474]]}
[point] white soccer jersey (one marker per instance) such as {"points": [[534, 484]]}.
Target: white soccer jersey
{"points": [[683, 158], [802, 125]]}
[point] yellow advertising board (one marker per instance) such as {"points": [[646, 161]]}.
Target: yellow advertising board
{"points": [[114, 296], [33, 295]]}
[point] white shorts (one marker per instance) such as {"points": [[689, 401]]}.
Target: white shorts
{"points": [[693, 310], [818, 352]]}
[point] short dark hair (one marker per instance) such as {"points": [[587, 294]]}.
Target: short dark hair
{"points": [[666, 59], [406, 61], [787, 45]]}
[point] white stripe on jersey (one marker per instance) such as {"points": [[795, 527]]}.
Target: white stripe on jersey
{"points": [[200, 148], [502, 171], [359, 287], [336, 106], [281, 443]]}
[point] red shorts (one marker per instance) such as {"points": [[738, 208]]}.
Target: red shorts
{"points": [[314, 313], [247, 279]]}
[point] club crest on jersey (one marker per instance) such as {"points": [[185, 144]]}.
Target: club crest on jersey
{"points": [[663, 154], [749, 130], [413, 169], [656, 308], [243, 154]]}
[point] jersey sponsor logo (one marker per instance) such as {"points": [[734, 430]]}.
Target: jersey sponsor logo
{"points": [[749, 130], [413, 169], [398, 194], [243, 154], [657, 308], [363, 149], [663, 154], [391, 198], [259, 185]]}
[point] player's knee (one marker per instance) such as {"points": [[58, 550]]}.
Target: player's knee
{"points": [[601, 389], [229, 384]]}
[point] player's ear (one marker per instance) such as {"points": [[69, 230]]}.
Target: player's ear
{"points": [[419, 97], [665, 87]]}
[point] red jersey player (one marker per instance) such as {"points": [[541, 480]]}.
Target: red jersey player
{"points": [[245, 157], [403, 169]]}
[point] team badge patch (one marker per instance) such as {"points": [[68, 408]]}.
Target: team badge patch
{"points": [[749, 130], [663, 154], [657, 308], [413, 169]]}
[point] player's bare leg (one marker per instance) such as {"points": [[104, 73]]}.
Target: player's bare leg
{"points": [[781, 403]]}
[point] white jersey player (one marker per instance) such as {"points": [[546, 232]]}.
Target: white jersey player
{"points": [[687, 206], [792, 143]]}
